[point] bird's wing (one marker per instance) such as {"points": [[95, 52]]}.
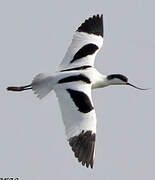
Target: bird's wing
{"points": [[79, 117], [86, 42]]}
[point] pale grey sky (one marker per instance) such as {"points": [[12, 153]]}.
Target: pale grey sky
{"points": [[34, 36]]}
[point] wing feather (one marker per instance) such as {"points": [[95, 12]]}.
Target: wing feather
{"points": [[86, 42], [79, 118]]}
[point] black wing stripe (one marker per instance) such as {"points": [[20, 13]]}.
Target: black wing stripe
{"points": [[81, 100], [77, 68], [93, 25], [80, 77], [83, 147], [86, 50]]}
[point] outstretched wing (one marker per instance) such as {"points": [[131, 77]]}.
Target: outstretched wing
{"points": [[87, 41], [79, 118]]}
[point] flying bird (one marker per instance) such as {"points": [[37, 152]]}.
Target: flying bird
{"points": [[72, 82]]}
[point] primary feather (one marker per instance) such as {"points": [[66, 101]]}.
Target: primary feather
{"points": [[86, 42]]}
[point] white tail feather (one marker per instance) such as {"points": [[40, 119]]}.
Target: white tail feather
{"points": [[42, 84]]}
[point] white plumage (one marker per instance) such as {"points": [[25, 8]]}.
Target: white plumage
{"points": [[72, 84], [79, 40], [74, 120]]}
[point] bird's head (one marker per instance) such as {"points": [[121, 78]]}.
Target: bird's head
{"points": [[119, 79]]}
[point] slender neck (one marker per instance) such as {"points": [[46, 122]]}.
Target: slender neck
{"points": [[100, 82]]}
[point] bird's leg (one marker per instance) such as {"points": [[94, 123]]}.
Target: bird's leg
{"points": [[20, 88]]}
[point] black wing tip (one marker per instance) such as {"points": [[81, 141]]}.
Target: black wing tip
{"points": [[83, 147], [93, 25]]}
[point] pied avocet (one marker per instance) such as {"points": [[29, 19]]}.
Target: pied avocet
{"points": [[72, 84]]}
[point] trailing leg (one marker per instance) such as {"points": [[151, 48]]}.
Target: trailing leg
{"points": [[42, 84], [20, 88]]}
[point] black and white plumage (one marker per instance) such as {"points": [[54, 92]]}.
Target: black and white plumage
{"points": [[87, 41], [73, 82]]}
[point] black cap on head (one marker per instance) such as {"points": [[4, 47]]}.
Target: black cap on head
{"points": [[118, 76]]}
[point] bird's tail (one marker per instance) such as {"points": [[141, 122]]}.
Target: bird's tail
{"points": [[42, 84]]}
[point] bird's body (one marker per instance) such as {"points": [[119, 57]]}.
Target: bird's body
{"points": [[73, 82], [96, 79]]}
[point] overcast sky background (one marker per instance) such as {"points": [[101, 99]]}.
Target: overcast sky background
{"points": [[34, 36]]}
